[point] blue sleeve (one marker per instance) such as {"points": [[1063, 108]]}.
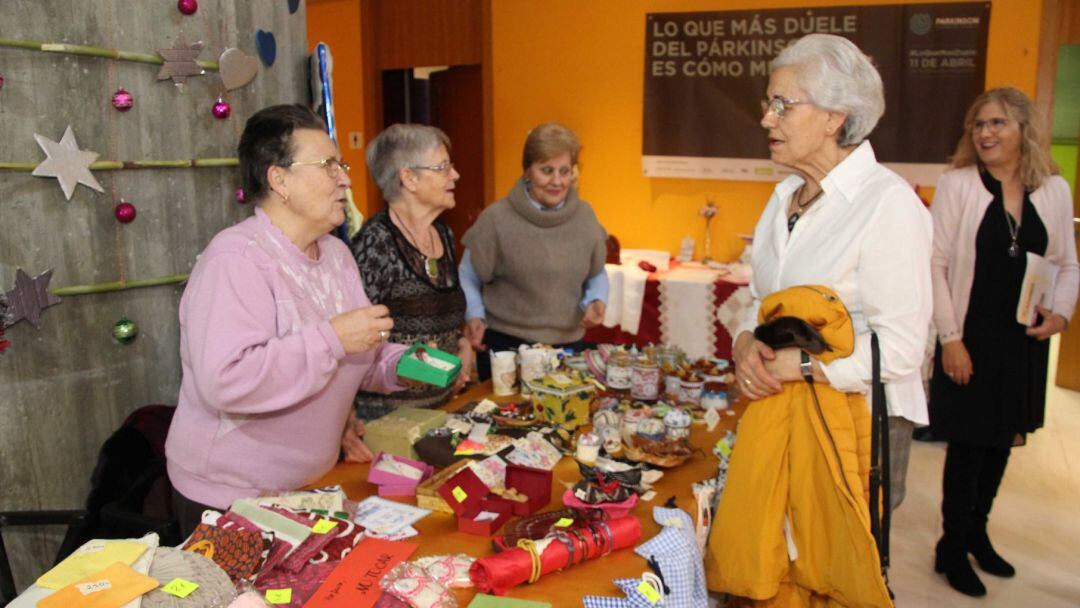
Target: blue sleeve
{"points": [[596, 288], [470, 284]]}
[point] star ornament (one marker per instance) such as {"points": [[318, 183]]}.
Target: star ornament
{"points": [[29, 298], [180, 62], [67, 163]]}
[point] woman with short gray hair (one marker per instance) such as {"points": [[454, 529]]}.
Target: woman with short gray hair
{"points": [[406, 255], [845, 222]]}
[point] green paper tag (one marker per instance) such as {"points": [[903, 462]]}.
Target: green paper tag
{"points": [[279, 596], [564, 522], [649, 592], [323, 526], [180, 587], [724, 448], [459, 494]]}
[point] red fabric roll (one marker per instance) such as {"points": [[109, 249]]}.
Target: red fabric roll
{"points": [[497, 573]]}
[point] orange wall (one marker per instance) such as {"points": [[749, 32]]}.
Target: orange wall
{"points": [[582, 63], [337, 23]]}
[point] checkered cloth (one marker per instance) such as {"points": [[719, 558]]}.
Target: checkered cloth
{"points": [[633, 599], [676, 552]]}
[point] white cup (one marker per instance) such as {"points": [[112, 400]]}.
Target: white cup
{"points": [[504, 372]]}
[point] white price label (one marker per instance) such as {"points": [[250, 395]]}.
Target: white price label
{"points": [[94, 587], [94, 546]]}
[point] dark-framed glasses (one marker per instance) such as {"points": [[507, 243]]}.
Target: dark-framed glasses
{"points": [[444, 167], [333, 166], [994, 124], [779, 105]]}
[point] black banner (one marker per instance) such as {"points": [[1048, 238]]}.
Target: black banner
{"points": [[706, 72]]}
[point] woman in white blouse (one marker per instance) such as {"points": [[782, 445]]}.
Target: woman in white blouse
{"points": [[844, 221]]}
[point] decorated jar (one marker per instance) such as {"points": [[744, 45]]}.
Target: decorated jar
{"points": [[588, 448], [672, 387], [652, 428], [690, 390], [677, 423], [619, 371], [645, 381], [630, 421]]}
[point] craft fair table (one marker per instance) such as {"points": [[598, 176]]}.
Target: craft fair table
{"points": [[675, 308], [439, 535]]}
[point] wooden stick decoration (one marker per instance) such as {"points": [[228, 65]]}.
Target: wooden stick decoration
{"points": [[82, 290], [92, 51], [119, 165]]}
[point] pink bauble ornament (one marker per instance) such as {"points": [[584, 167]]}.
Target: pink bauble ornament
{"points": [[188, 7], [1, 80], [125, 212], [240, 198], [122, 100], [222, 109]]}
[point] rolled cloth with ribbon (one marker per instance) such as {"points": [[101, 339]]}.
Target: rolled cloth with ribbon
{"points": [[514, 566]]}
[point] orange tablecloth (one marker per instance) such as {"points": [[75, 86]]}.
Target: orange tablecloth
{"points": [[439, 535]]}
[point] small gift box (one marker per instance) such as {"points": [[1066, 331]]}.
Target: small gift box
{"points": [[427, 493], [397, 475], [429, 365], [478, 512], [563, 398], [533, 483], [397, 431]]}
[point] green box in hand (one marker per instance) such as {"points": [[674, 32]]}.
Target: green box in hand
{"points": [[429, 365]]}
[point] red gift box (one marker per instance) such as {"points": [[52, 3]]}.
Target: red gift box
{"points": [[468, 496], [534, 483]]}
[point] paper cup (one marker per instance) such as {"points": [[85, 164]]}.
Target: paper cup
{"points": [[504, 372]]}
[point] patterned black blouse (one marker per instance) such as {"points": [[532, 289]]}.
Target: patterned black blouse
{"points": [[424, 309]]}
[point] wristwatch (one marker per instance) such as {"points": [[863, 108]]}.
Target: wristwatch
{"points": [[806, 367]]}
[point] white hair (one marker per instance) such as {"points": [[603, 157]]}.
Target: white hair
{"points": [[838, 77], [398, 147]]}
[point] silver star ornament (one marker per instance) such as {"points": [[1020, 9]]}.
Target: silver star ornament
{"points": [[67, 163]]}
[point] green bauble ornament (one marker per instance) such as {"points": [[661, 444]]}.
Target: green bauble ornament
{"points": [[125, 330]]}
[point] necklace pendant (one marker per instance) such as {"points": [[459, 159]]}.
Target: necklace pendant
{"points": [[794, 217], [431, 265], [1014, 250]]}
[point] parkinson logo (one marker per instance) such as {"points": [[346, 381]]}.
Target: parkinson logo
{"points": [[956, 22], [921, 24]]}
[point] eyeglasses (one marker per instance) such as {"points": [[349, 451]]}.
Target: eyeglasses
{"points": [[779, 105], [444, 167], [994, 124], [333, 166]]}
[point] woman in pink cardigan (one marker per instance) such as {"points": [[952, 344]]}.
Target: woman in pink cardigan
{"points": [[276, 334], [1001, 204]]}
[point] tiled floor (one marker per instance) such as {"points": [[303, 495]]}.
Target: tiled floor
{"points": [[1035, 523]]}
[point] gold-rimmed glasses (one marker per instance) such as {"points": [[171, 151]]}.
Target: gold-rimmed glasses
{"points": [[332, 165]]}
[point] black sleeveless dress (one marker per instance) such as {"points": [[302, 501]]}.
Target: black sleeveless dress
{"points": [[1006, 396]]}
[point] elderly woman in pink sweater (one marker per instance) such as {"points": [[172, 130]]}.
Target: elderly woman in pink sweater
{"points": [[276, 333]]}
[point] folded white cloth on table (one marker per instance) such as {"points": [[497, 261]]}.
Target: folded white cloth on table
{"points": [[626, 293]]}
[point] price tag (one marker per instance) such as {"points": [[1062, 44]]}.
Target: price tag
{"points": [[323, 526], [649, 592], [94, 546], [724, 448], [94, 587], [564, 522], [459, 494], [279, 596], [180, 587]]}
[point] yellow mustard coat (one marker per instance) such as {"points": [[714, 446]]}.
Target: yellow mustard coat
{"points": [[805, 471]]}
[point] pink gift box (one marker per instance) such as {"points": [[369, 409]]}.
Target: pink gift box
{"points": [[391, 484]]}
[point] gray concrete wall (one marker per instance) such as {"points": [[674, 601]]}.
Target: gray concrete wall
{"points": [[66, 387]]}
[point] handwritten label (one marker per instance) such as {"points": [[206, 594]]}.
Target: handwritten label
{"points": [[649, 592], [94, 546], [459, 494], [564, 522], [180, 587], [279, 596], [94, 587], [323, 526]]}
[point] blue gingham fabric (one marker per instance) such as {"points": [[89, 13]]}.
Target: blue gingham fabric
{"points": [[676, 552], [633, 599]]}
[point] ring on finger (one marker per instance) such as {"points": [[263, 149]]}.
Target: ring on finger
{"points": [[747, 382], [384, 335]]}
